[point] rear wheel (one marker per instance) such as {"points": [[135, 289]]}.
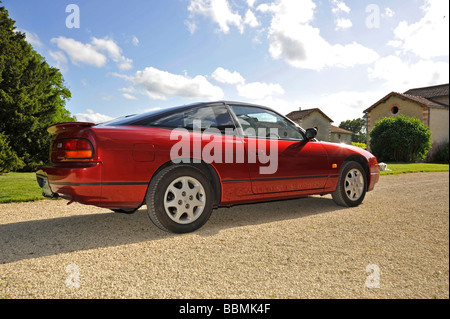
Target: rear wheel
{"points": [[352, 185], [179, 199]]}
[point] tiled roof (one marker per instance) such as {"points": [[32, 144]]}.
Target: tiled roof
{"points": [[423, 96], [430, 91], [335, 129], [418, 99], [299, 115]]}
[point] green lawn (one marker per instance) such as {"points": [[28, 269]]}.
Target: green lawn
{"points": [[400, 168], [19, 187]]}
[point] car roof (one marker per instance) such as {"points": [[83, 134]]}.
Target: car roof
{"points": [[225, 102], [132, 118]]}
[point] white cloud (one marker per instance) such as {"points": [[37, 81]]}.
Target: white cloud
{"points": [[135, 41], [289, 12], [339, 6], [159, 83], [253, 90], [108, 45], [251, 3], [339, 106], [129, 96], [428, 37], [128, 89], [32, 38], [125, 64], [91, 116], [219, 11], [291, 37], [280, 105], [388, 13], [90, 53], [258, 90], [395, 43], [342, 23], [348, 105], [250, 19], [399, 75], [60, 59], [79, 52], [114, 52], [192, 27], [107, 98], [224, 76]]}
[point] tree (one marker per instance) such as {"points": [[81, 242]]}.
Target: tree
{"points": [[8, 159], [32, 96], [358, 127], [400, 139]]}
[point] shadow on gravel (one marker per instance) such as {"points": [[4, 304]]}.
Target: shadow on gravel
{"points": [[40, 238]]}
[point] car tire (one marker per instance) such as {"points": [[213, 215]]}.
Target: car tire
{"points": [[179, 199], [352, 185]]}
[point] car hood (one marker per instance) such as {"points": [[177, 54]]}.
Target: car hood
{"points": [[341, 149]]}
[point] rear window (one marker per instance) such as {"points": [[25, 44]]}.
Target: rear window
{"points": [[201, 117], [135, 118]]}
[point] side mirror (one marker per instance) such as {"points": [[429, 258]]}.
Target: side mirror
{"points": [[311, 133]]}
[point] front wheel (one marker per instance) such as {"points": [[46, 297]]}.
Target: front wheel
{"points": [[179, 199], [352, 185]]}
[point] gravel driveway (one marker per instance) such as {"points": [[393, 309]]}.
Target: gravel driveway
{"points": [[395, 245]]}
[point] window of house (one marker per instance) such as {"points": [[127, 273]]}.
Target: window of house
{"points": [[395, 109]]}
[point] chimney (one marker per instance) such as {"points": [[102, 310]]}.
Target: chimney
{"points": [[299, 108]]}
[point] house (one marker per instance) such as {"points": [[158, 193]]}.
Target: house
{"points": [[313, 118], [429, 104], [325, 131], [339, 135]]}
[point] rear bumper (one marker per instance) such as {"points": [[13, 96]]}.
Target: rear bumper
{"points": [[80, 183]]}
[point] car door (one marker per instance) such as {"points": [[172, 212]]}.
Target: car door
{"points": [[278, 156]]}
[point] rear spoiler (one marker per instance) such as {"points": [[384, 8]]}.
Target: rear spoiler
{"points": [[67, 126]]}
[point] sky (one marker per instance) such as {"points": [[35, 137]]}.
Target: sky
{"points": [[126, 57]]}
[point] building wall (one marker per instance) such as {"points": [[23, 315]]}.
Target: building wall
{"points": [[382, 110], [439, 126], [317, 120], [436, 119], [341, 138], [443, 99], [407, 108]]}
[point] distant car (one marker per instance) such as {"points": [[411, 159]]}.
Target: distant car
{"points": [[185, 161]]}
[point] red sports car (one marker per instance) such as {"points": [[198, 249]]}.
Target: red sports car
{"points": [[184, 161]]}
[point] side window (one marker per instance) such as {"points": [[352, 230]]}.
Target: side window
{"points": [[200, 118], [262, 123]]}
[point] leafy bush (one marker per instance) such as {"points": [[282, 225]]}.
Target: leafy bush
{"points": [[9, 161], [400, 139], [442, 154], [360, 145]]}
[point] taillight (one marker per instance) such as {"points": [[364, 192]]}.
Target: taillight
{"points": [[72, 149]]}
